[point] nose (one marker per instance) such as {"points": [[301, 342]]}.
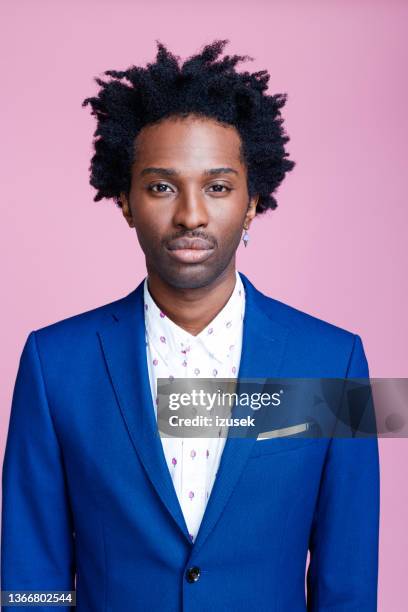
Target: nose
{"points": [[191, 210]]}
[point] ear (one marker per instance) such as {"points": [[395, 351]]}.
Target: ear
{"points": [[126, 209], [251, 212]]}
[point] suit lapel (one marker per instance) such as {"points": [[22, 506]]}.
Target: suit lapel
{"points": [[263, 346], [124, 348]]}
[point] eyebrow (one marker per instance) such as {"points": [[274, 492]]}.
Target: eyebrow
{"points": [[173, 172]]}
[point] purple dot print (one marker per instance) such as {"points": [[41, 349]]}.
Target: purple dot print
{"points": [[162, 339], [174, 461], [193, 453], [215, 372], [191, 494], [207, 452], [210, 330], [196, 371], [146, 306], [162, 314], [184, 363], [228, 324], [155, 361], [234, 369]]}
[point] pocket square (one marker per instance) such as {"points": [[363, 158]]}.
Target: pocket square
{"points": [[284, 431]]}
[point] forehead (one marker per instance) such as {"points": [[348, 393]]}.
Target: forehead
{"points": [[188, 141]]}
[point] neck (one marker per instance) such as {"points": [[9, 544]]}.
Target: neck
{"points": [[193, 309]]}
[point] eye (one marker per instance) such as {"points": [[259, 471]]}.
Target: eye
{"points": [[220, 188], [160, 188]]}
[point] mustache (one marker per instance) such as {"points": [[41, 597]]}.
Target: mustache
{"points": [[192, 234]]}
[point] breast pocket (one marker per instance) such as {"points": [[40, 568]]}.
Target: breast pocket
{"points": [[286, 439]]}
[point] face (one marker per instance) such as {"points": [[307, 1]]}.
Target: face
{"points": [[188, 200]]}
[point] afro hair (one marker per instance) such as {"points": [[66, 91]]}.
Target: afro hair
{"points": [[203, 85]]}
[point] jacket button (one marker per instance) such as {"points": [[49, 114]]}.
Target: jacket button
{"points": [[193, 574]]}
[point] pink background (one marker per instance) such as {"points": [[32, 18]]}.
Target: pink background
{"points": [[336, 245]]}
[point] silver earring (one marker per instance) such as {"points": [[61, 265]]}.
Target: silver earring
{"points": [[245, 237]]}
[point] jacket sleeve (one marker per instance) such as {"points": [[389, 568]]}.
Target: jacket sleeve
{"points": [[37, 546], [343, 569]]}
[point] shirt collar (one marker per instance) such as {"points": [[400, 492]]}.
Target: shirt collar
{"points": [[218, 338]]}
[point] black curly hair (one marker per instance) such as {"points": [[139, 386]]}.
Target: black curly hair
{"points": [[202, 86]]}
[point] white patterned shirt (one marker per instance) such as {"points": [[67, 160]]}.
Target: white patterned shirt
{"points": [[172, 352]]}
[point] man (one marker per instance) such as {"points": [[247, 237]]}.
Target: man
{"points": [[93, 498]]}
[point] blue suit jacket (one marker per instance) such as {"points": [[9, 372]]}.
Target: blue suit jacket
{"points": [[86, 489]]}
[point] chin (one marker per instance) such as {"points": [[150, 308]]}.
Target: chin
{"points": [[190, 276]]}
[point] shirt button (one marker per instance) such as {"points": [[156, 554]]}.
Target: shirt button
{"points": [[193, 574]]}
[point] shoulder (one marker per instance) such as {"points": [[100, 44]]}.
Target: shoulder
{"points": [[312, 343], [304, 323], [82, 326]]}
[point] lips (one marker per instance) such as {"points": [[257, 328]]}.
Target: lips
{"points": [[190, 250], [195, 244]]}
